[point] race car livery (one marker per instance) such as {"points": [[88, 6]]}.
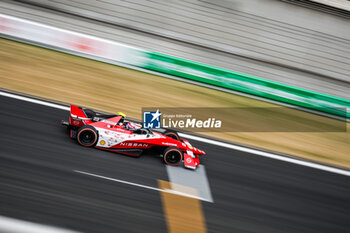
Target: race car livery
{"points": [[115, 133]]}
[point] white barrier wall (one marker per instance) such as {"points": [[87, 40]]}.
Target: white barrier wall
{"points": [[69, 40]]}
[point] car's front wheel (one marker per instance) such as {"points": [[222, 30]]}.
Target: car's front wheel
{"points": [[172, 156], [87, 136], [172, 134]]}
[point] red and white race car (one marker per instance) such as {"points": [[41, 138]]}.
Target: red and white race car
{"points": [[115, 133]]}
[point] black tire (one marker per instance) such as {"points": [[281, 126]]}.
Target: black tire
{"points": [[72, 131], [87, 136], [172, 134], [172, 156]]}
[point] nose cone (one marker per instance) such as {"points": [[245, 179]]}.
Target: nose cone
{"points": [[191, 148], [200, 152]]}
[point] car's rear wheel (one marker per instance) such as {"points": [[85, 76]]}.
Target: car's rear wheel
{"points": [[87, 136], [172, 156]]}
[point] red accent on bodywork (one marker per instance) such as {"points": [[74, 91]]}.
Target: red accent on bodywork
{"points": [[77, 117], [111, 124], [76, 111], [191, 162], [102, 148], [114, 120], [199, 152], [138, 144]]}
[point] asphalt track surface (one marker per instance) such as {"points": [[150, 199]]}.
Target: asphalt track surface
{"points": [[251, 193]]}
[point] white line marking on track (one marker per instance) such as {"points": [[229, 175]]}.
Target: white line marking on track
{"points": [[142, 186], [41, 102], [209, 141]]}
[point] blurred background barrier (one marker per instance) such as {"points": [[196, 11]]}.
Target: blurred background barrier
{"points": [[90, 45], [337, 7], [244, 28], [340, 4]]}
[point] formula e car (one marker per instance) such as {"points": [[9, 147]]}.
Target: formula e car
{"points": [[115, 133]]}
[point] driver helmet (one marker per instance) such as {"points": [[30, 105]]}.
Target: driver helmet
{"points": [[121, 114], [121, 122]]}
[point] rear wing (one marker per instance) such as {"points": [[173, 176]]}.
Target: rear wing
{"points": [[77, 112], [78, 117]]}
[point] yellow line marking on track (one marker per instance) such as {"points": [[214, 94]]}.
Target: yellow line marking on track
{"points": [[183, 214]]}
